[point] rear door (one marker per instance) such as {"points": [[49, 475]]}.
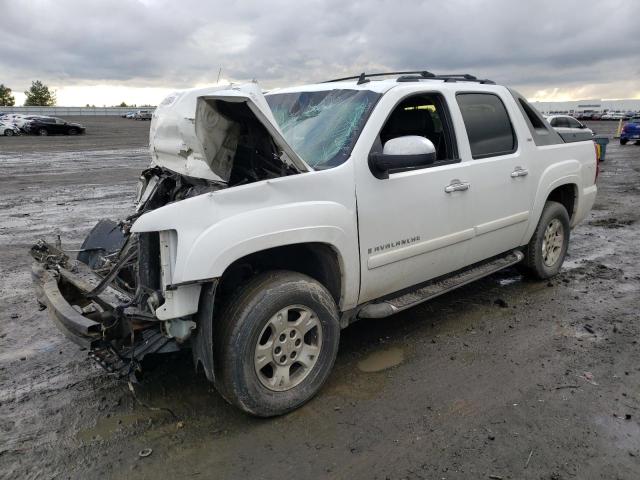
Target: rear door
{"points": [[500, 189]]}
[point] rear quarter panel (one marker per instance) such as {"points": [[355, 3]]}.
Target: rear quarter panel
{"points": [[569, 163]]}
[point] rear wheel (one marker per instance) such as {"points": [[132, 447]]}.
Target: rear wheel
{"points": [[43, 132], [276, 344], [8, 132], [547, 248], [623, 141]]}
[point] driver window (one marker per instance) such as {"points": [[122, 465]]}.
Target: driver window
{"points": [[425, 116]]}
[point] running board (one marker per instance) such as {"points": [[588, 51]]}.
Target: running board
{"points": [[436, 288]]}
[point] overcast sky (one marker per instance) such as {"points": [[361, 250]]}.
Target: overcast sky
{"points": [[104, 52]]}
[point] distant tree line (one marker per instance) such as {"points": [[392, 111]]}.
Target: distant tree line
{"points": [[6, 99], [38, 95]]}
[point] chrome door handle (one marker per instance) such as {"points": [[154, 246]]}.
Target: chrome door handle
{"points": [[519, 172], [457, 186]]}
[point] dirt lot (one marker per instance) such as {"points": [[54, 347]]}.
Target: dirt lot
{"points": [[504, 378]]}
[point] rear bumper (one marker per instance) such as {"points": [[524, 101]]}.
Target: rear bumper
{"points": [[75, 326]]}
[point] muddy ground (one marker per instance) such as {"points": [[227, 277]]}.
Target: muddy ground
{"points": [[505, 378]]}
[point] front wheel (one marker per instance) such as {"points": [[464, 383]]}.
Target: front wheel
{"points": [[43, 132], [275, 343], [8, 132], [548, 246]]}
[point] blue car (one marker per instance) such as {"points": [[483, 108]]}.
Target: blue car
{"points": [[631, 131]]}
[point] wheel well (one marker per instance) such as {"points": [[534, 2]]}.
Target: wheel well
{"points": [[318, 260], [566, 195]]}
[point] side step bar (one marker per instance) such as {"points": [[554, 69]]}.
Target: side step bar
{"points": [[436, 288]]}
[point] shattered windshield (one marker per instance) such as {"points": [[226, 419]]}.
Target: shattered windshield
{"points": [[322, 127]]}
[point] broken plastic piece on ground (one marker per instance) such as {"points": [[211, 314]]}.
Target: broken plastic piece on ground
{"points": [[145, 452]]}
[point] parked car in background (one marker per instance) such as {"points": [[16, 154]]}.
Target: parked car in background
{"points": [[142, 115], [8, 129], [570, 129], [22, 122], [596, 116], [126, 114], [631, 131], [52, 126], [615, 116], [11, 118]]}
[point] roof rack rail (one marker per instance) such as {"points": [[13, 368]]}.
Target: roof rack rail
{"points": [[453, 77], [416, 76], [362, 78]]}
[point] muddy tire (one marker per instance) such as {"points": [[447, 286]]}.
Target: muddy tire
{"points": [[547, 248], [276, 342]]}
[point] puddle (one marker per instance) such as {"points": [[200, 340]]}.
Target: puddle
{"points": [[108, 428], [381, 360]]}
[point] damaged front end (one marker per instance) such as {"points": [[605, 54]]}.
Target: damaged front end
{"points": [[109, 298], [123, 297]]}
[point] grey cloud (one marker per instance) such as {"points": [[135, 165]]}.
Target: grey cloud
{"points": [[530, 45]]}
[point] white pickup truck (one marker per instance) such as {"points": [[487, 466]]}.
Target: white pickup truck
{"points": [[268, 222]]}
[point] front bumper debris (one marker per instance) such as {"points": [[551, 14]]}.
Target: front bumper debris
{"points": [[78, 328], [106, 323]]}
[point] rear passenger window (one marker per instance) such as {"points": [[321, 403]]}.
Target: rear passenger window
{"points": [[488, 126]]}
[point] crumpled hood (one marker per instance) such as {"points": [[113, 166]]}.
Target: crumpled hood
{"points": [[188, 135]]}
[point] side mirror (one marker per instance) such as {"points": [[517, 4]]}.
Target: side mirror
{"points": [[402, 153]]}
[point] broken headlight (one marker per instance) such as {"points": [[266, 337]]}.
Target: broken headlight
{"points": [[144, 189]]}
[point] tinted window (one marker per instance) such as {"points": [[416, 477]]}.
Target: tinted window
{"points": [[562, 122], [488, 126]]}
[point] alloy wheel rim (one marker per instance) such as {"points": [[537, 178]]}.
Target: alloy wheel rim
{"points": [[552, 242], [288, 347]]}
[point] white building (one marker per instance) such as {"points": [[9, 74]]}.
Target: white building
{"points": [[600, 106]]}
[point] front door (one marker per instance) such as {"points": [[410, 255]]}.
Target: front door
{"points": [[416, 224]]}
